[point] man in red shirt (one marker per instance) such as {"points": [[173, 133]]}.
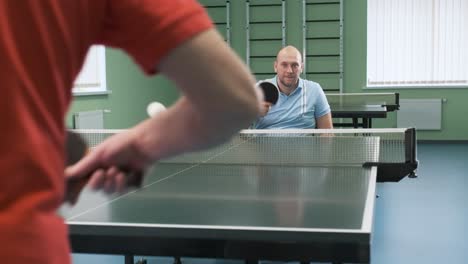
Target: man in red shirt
{"points": [[42, 48]]}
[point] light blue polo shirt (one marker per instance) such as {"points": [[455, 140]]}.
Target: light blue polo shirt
{"points": [[299, 109]]}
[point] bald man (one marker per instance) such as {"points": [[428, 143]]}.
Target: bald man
{"points": [[301, 103]]}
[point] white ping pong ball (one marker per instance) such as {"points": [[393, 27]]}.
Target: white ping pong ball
{"points": [[154, 108]]}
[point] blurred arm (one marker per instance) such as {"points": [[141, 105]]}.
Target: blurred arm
{"points": [[218, 98]]}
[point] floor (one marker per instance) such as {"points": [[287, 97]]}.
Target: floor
{"points": [[425, 220], [421, 220]]}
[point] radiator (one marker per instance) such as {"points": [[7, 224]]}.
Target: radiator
{"points": [[89, 120], [422, 114]]}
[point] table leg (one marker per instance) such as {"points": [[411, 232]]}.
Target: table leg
{"points": [[129, 259], [177, 260], [355, 122], [366, 122]]}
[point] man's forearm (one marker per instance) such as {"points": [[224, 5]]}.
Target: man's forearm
{"points": [[325, 121], [184, 128]]}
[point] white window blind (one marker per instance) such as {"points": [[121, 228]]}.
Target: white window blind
{"points": [[92, 78], [417, 43]]}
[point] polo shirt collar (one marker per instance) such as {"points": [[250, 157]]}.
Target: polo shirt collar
{"points": [[297, 90]]}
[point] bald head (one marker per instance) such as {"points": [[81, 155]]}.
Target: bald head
{"points": [[288, 66], [289, 52]]}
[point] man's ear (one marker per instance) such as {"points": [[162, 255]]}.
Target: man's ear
{"points": [[275, 63]]}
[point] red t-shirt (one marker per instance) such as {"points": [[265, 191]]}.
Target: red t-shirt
{"points": [[42, 48]]}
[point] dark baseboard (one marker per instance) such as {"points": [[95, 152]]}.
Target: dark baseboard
{"points": [[427, 141]]}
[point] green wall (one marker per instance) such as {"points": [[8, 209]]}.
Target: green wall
{"points": [[132, 91], [455, 110]]}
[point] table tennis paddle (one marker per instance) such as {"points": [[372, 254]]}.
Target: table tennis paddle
{"points": [[270, 91], [75, 149]]}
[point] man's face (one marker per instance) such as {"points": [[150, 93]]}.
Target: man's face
{"points": [[288, 67]]}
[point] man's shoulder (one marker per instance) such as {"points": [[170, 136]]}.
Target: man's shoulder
{"points": [[311, 84]]}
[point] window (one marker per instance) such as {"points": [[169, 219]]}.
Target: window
{"points": [[417, 43], [92, 78]]}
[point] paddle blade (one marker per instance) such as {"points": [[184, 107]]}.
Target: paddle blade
{"points": [[270, 91]]}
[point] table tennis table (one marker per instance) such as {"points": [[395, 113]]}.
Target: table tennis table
{"points": [[361, 108], [292, 195]]}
